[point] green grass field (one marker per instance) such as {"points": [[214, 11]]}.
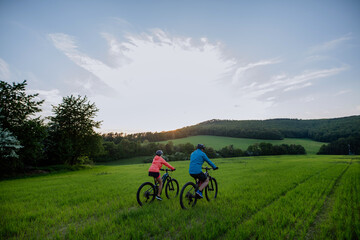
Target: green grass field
{"points": [[216, 142], [277, 197]]}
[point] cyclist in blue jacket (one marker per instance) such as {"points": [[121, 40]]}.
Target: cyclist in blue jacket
{"points": [[197, 159]]}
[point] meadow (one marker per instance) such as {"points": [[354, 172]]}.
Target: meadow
{"points": [[218, 142], [275, 197]]}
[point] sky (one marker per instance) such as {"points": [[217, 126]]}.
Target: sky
{"points": [[164, 65]]}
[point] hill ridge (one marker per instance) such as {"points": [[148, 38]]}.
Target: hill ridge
{"points": [[323, 130]]}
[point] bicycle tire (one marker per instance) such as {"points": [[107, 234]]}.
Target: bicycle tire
{"points": [[172, 188], [188, 196], [146, 193], [211, 190]]}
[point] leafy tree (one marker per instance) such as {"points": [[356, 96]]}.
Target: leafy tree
{"points": [[253, 150], [169, 147], [16, 106], [211, 153], [266, 148], [72, 133], [9, 145], [230, 151], [18, 110]]}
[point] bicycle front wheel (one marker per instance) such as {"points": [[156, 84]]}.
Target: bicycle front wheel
{"points": [[146, 193], [188, 195], [172, 188], [211, 190]]}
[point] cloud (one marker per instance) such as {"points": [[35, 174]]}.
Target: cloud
{"points": [[241, 70], [282, 83], [157, 76], [152, 71], [4, 70], [342, 92], [149, 58], [310, 75], [51, 97], [63, 42], [330, 45]]}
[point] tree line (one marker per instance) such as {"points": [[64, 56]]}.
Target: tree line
{"points": [[120, 147], [68, 137]]}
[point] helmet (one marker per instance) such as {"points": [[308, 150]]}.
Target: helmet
{"points": [[159, 152], [200, 146]]}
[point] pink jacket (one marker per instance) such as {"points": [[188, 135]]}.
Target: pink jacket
{"points": [[157, 163]]}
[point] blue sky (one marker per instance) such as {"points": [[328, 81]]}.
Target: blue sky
{"points": [[163, 65]]}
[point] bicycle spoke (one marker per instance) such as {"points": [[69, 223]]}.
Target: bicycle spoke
{"points": [[188, 196], [145, 193]]}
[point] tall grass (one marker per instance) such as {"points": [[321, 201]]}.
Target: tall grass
{"points": [[259, 197]]}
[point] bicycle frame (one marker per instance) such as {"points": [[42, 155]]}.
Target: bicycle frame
{"points": [[166, 177], [198, 182]]}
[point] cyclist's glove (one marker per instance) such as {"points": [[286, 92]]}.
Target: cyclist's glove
{"points": [[216, 168]]}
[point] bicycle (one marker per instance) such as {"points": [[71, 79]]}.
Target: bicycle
{"points": [[188, 196], [147, 191]]}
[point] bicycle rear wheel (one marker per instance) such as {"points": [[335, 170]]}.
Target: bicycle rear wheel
{"points": [[146, 193], [188, 195], [211, 190], [172, 188]]}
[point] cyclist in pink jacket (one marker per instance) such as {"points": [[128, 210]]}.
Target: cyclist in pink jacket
{"points": [[154, 170]]}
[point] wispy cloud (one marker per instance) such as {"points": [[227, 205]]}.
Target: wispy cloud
{"points": [[241, 70], [330, 45], [283, 83], [67, 45], [4, 70], [310, 75], [342, 92]]}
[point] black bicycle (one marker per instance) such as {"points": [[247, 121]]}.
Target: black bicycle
{"points": [[188, 196], [148, 191]]}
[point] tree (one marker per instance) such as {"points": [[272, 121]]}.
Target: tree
{"points": [[18, 110], [9, 145], [72, 133], [16, 106]]}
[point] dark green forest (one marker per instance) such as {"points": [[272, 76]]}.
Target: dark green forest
{"points": [[29, 140], [322, 130]]}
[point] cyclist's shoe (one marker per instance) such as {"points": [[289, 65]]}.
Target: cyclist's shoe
{"points": [[158, 198], [199, 194]]}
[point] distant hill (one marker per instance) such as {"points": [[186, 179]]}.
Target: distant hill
{"points": [[322, 130]]}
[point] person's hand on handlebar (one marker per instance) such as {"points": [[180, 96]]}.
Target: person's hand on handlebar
{"points": [[216, 168]]}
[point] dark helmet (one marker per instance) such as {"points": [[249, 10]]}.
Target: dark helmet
{"points": [[200, 146], [159, 152]]}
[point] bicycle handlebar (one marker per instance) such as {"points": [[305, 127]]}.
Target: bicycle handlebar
{"points": [[207, 168], [167, 170]]}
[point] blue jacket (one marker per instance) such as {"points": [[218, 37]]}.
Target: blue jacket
{"points": [[197, 159]]}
